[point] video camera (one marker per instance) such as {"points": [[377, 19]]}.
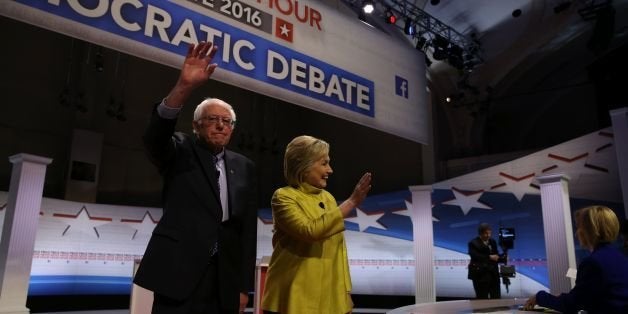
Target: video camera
{"points": [[506, 242], [506, 239]]}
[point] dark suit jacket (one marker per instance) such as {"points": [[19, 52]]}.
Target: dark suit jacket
{"points": [[481, 267], [179, 250], [601, 285]]}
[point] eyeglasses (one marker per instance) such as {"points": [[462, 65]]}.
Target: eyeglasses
{"points": [[215, 119]]}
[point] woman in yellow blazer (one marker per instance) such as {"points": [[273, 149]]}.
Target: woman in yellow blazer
{"points": [[309, 269]]}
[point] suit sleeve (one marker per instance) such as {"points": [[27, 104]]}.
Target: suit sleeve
{"points": [[476, 253], [589, 287], [480, 253], [158, 140], [289, 216]]}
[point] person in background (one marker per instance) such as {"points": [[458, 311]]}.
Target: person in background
{"points": [[483, 267], [309, 269], [602, 277], [201, 255]]}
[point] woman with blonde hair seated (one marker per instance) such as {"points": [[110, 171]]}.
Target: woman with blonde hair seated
{"points": [[602, 279]]}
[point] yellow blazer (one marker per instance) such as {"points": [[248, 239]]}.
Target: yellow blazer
{"points": [[309, 269]]}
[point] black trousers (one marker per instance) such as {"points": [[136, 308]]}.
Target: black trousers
{"points": [[204, 299], [487, 288]]}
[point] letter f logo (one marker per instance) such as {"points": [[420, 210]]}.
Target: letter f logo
{"points": [[401, 86]]}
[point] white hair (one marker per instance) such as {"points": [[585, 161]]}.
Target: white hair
{"points": [[198, 112]]}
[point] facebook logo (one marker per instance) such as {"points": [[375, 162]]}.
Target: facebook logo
{"points": [[401, 86]]}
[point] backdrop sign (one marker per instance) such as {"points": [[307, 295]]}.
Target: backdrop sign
{"points": [[298, 51]]}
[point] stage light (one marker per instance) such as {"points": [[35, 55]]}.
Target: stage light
{"points": [[469, 62], [408, 28], [439, 54], [420, 43], [516, 13], [390, 17], [455, 57], [368, 6], [440, 45], [362, 17], [440, 42]]}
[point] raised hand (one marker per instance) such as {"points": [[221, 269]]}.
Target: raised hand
{"points": [[197, 66], [196, 70], [361, 189], [358, 195]]}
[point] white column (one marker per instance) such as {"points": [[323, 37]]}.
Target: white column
{"points": [[557, 227], [428, 169], [423, 240], [619, 119], [20, 229]]}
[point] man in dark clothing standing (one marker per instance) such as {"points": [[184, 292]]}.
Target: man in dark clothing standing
{"points": [[201, 256], [483, 268]]}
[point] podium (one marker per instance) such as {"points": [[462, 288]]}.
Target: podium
{"points": [[260, 279]]}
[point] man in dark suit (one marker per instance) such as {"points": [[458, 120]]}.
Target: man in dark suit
{"points": [[483, 268], [201, 256]]}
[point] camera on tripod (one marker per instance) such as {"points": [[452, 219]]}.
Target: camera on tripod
{"points": [[506, 242], [507, 238]]}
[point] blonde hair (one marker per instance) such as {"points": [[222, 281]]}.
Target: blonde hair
{"points": [[301, 153], [595, 225]]}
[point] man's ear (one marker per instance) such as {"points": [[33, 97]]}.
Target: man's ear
{"points": [[195, 126]]}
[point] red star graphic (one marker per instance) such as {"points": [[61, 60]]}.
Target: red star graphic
{"points": [[283, 29]]}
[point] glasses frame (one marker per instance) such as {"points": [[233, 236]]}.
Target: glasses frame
{"points": [[213, 120]]}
